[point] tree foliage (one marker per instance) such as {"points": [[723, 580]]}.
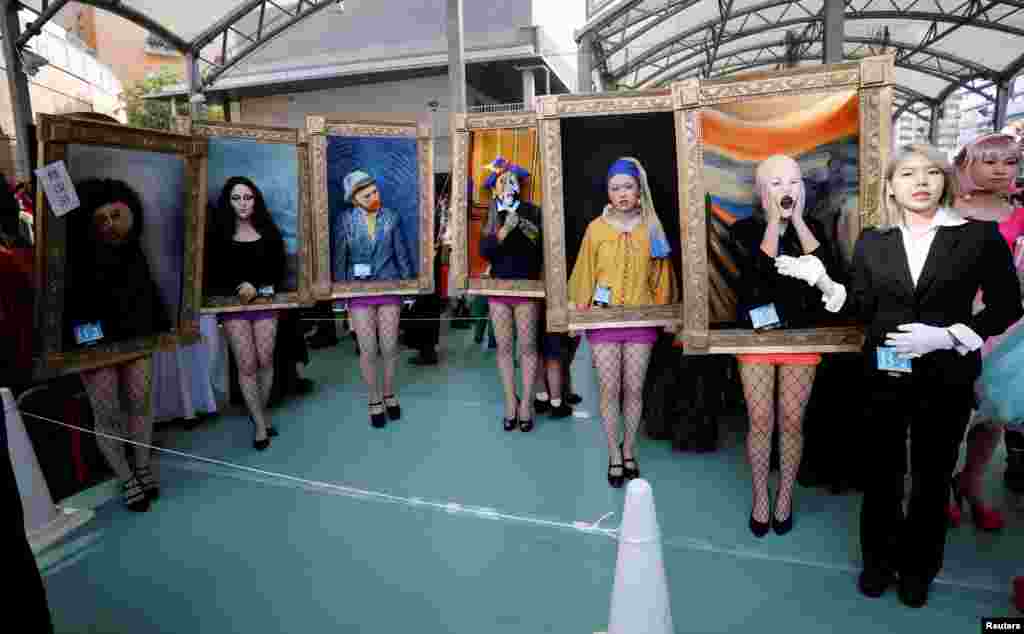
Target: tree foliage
{"points": [[150, 113]]}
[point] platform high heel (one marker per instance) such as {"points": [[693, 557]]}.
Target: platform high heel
{"points": [[985, 518]]}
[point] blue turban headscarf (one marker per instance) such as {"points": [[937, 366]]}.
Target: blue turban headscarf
{"points": [[631, 167]]}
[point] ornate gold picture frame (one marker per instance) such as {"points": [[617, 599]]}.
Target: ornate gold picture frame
{"points": [[553, 113], [278, 149], [479, 139], [320, 130], [869, 84], [56, 135]]}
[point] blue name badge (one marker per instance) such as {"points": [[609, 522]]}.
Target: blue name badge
{"points": [[88, 334], [603, 296], [889, 361], [361, 271], [765, 317]]}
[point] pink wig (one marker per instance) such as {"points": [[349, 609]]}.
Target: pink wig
{"points": [[981, 147]]}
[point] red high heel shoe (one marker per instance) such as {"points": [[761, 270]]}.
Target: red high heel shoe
{"points": [[985, 518], [1018, 593]]}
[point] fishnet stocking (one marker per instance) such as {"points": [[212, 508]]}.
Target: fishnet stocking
{"points": [[795, 383], [265, 335], [527, 318], [108, 388], [136, 384], [759, 392], [102, 388], [243, 346], [635, 359], [387, 324], [608, 360], [503, 319], [364, 323]]}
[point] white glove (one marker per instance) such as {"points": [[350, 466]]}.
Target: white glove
{"points": [[806, 267], [915, 340]]}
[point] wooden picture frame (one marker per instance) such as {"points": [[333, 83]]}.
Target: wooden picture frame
{"points": [[55, 133], [465, 126], [319, 128], [303, 294], [871, 79], [552, 111]]}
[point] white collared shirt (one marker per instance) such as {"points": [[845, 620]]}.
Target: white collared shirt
{"points": [[917, 248]]}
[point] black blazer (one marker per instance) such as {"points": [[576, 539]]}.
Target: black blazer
{"points": [[962, 259]]}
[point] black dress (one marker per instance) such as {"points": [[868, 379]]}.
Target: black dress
{"points": [[260, 263], [113, 286], [797, 304]]}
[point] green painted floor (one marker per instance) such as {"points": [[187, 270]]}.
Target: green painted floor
{"points": [[339, 527]]}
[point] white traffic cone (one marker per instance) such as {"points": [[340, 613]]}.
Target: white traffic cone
{"points": [[45, 522], [640, 603]]}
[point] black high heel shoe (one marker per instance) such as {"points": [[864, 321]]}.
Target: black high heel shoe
{"points": [[630, 473], [259, 445], [272, 431], [511, 423], [378, 418], [784, 526], [392, 406], [760, 529], [524, 425], [616, 481]]}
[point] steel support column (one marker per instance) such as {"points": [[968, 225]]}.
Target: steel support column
{"points": [[585, 64], [933, 124], [833, 31], [1003, 89], [17, 81], [456, 57], [196, 100], [529, 88]]}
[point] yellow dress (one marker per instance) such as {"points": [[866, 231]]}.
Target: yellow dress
{"points": [[622, 262]]}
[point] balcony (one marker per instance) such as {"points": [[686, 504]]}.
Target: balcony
{"points": [[499, 107]]}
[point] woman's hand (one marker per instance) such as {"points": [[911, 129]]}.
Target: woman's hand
{"points": [[246, 292], [773, 214]]}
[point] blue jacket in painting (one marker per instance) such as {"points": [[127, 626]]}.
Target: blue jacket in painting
{"points": [[387, 255]]}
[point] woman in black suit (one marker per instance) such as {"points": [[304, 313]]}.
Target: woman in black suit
{"points": [[913, 286]]}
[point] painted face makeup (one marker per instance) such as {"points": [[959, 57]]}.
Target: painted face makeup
{"points": [[917, 184], [781, 184], [113, 222], [508, 188], [368, 198], [623, 193], [242, 201]]}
